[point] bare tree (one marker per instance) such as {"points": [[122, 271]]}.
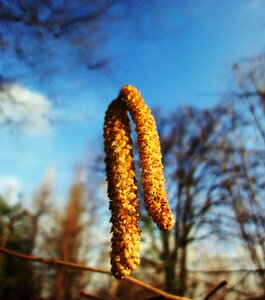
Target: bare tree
{"points": [[190, 140], [64, 38], [15, 233], [20, 230], [67, 283], [250, 90], [243, 166], [46, 34]]}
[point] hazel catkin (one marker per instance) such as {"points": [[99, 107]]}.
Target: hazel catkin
{"points": [[121, 178], [153, 181], [122, 190]]}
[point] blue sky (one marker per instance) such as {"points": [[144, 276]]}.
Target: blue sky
{"points": [[181, 58]]}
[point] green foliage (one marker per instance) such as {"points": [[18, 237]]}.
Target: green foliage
{"points": [[16, 276]]}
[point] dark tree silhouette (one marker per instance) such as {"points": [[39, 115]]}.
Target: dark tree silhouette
{"points": [[189, 142]]}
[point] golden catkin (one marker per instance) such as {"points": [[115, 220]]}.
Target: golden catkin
{"points": [[122, 190], [153, 181]]}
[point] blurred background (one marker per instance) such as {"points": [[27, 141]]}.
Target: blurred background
{"points": [[200, 67]]}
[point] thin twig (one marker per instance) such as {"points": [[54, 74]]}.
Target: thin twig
{"points": [[90, 296], [236, 283], [155, 298], [215, 289], [262, 297], [156, 290], [55, 261], [51, 261]]}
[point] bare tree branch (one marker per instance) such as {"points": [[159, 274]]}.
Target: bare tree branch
{"points": [[215, 289], [90, 296], [59, 262]]}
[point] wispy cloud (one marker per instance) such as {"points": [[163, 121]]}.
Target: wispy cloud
{"points": [[24, 110], [10, 188]]}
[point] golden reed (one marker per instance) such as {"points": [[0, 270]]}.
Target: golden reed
{"points": [[120, 170]]}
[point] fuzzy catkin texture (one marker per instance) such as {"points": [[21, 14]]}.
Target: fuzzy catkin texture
{"points": [[122, 190], [153, 181]]}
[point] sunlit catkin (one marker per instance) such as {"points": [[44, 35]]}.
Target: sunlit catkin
{"points": [[122, 190], [153, 181]]}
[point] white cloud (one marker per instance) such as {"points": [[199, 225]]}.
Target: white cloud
{"points": [[25, 110], [10, 188]]}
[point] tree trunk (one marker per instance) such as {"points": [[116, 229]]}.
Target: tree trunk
{"points": [[170, 276], [60, 285], [169, 259], [182, 278]]}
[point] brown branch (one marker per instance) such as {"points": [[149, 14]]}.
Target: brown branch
{"points": [[55, 261], [159, 266], [262, 297], [90, 296], [52, 261], [155, 298], [226, 288], [215, 289], [155, 290]]}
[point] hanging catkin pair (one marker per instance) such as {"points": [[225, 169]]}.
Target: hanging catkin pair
{"points": [[121, 178]]}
